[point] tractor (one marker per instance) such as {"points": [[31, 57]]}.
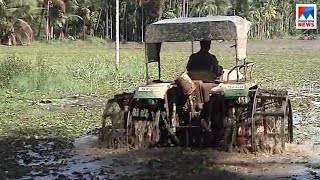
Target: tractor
{"points": [[199, 108]]}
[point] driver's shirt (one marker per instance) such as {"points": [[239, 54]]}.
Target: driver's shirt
{"points": [[203, 60]]}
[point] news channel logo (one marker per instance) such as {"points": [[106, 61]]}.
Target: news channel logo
{"points": [[306, 16]]}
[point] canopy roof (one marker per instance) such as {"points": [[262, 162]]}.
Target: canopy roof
{"points": [[200, 28]]}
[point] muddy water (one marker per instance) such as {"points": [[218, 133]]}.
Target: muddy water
{"points": [[88, 161], [85, 161], [307, 123]]}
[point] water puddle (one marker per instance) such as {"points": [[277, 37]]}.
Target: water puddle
{"points": [[307, 122], [297, 118], [299, 93], [85, 161]]}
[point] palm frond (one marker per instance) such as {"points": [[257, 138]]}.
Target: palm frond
{"points": [[23, 30]]}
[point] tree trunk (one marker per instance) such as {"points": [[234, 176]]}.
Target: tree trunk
{"points": [[98, 22], [160, 9], [187, 11], [51, 31], [108, 12], [183, 8], [47, 26], [142, 24], [84, 29], [124, 22], [40, 24], [61, 35], [134, 33], [111, 24], [67, 28], [107, 22], [126, 27]]}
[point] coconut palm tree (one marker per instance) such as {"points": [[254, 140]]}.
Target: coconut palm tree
{"points": [[204, 8], [209, 7], [52, 9]]}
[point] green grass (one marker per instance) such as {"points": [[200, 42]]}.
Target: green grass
{"points": [[29, 74]]}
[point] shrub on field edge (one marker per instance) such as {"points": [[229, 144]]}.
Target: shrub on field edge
{"points": [[39, 77], [10, 68], [51, 75]]}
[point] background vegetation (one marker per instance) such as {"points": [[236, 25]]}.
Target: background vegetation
{"points": [[82, 18]]}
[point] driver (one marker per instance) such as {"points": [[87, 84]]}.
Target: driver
{"points": [[203, 60]]}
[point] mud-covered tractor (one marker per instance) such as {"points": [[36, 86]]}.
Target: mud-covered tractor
{"points": [[200, 108]]}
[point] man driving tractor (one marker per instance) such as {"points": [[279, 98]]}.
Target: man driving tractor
{"points": [[204, 60]]}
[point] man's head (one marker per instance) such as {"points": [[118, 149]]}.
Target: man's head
{"points": [[205, 45]]}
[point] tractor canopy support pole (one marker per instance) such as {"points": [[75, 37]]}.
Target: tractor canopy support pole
{"points": [[192, 48], [146, 58], [245, 69], [237, 61], [159, 69], [254, 108]]}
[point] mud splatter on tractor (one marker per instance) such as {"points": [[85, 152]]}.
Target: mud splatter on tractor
{"points": [[200, 108]]}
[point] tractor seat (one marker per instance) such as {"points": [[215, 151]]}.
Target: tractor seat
{"points": [[202, 75]]}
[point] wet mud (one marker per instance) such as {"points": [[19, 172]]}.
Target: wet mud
{"points": [[86, 158]]}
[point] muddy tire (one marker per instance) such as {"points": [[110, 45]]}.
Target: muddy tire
{"points": [[113, 124], [289, 120], [143, 133], [275, 125], [228, 141]]}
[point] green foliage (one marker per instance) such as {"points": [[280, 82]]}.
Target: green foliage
{"points": [[10, 68], [58, 70], [46, 71], [169, 14], [13, 9], [270, 19]]}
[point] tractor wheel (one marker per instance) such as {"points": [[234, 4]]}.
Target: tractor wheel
{"points": [[286, 131], [112, 131], [229, 130], [290, 122], [142, 133], [288, 119], [273, 126], [219, 120]]}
